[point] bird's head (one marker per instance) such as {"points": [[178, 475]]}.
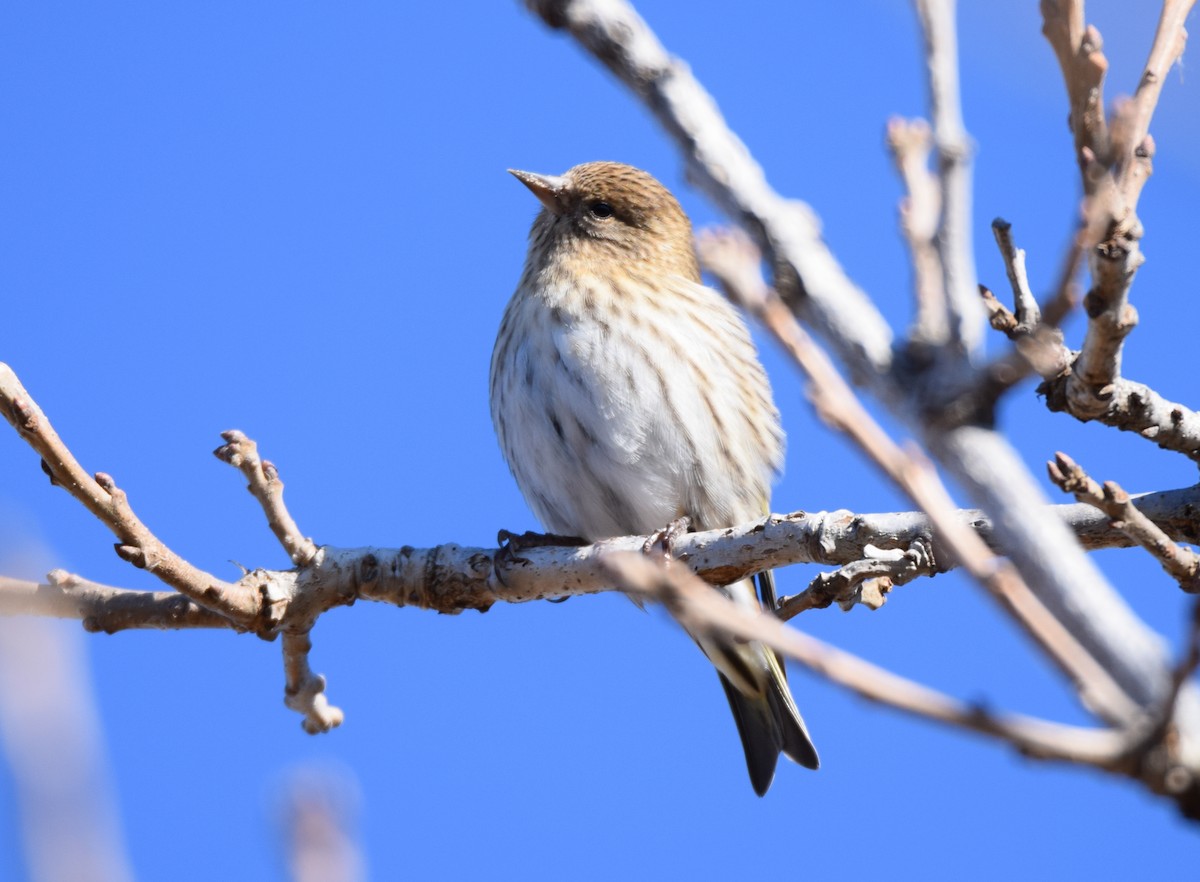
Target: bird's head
{"points": [[600, 211]]}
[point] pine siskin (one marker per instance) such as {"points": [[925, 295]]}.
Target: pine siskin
{"points": [[626, 395]]}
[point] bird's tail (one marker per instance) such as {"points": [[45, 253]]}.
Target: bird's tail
{"points": [[755, 683]]}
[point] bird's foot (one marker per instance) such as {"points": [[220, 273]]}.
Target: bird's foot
{"points": [[512, 544], [668, 536]]}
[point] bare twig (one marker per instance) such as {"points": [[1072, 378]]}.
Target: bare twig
{"points": [[1116, 162], [265, 485], [1111, 318], [103, 608], [1133, 161], [910, 143], [101, 496], [701, 610], [1182, 564], [304, 691], [1028, 315], [865, 581], [1134, 407], [1131, 407], [954, 173], [1067, 293], [1141, 751], [1083, 64], [1038, 344], [1000, 317]]}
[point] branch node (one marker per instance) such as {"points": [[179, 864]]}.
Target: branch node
{"points": [[131, 554]]}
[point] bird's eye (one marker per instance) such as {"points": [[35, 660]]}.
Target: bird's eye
{"points": [[600, 209]]}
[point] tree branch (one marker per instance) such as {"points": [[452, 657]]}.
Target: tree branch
{"points": [[806, 273], [1181, 564], [1115, 163], [1131, 752], [451, 578], [1083, 64], [101, 496], [1132, 407], [265, 486], [954, 174], [103, 608], [910, 143]]}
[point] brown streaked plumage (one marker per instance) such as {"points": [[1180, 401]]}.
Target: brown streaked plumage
{"points": [[625, 394]]}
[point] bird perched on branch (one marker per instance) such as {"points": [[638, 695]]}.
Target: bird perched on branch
{"points": [[626, 395]]}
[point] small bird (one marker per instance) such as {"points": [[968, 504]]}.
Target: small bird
{"points": [[626, 396]]}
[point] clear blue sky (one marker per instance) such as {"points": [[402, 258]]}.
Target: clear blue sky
{"points": [[294, 220]]}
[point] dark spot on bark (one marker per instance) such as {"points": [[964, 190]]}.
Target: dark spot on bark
{"points": [[369, 569]]}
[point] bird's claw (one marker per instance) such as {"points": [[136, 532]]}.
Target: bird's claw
{"points": [[512, 544], [668, 536]]}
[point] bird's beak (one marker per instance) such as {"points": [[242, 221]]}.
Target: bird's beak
{"points": [[549, 189]]}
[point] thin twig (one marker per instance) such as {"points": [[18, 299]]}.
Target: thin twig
{"points": [[101, 496], [1115, 162], [102, 607], [1131, 406], [1181, 564], [266, 486], [1170, 38], [1078, 48], [304, 691], [1038, 343], [910, 143], [865, 581], [954, 173], [1134, 407], [700, 610], [1027, 313]]}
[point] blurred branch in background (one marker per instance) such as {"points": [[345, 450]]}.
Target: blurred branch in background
{"points": [[51, 739], [318, 817]]}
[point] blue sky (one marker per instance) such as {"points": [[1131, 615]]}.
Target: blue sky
{"points": [[296, 222]]}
